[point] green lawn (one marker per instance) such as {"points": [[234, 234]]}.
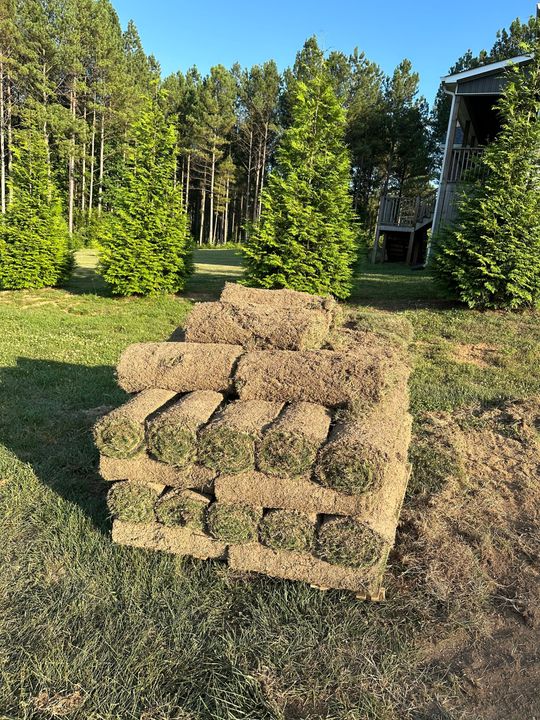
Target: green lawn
{"points": [[93, 631]]}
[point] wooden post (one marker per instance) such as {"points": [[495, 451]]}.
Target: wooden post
{"points": [[378, 230], [450, 137]]}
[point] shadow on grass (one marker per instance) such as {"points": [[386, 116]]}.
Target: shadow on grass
{"points": [[395, 286], [47, 418]]}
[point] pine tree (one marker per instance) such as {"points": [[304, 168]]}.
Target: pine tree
{"points": [[147, 248], [304, 239], [33, 234], [490, 258]]}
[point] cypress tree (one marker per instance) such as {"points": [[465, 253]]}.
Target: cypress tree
{"points": [[304, 239], [34, 250], [490, 258], [146, 248]]}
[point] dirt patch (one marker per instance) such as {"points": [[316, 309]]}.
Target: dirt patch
{"points": [[481, 355], [476, 546], [57, 705]]}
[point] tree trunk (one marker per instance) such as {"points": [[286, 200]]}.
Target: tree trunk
{"points": [[71, 160], [248, 184], [188, 169], [92, 163], [101, 163], [83, 168], [226, 214], [202, 208], [211, 210], [9, 137], [263, 170], [2, 141]]}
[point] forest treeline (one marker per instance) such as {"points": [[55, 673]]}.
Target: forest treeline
{"points": [[70, 73]]}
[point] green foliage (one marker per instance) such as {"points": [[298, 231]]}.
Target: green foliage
{"points": [[146, 248], [305, 239], [490, 258], [33, 235]]}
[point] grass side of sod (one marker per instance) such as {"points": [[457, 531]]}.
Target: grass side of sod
{"points": [[115, 633]]}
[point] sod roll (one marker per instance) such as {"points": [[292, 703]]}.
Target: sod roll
{"points": [[379, 509], [178, 540], [287, 530], [346, 541], [143, 469], [132, 502], [361, 445], [290, 445], [233, 523], [258, 326], [120, 434], [227, 443], [255, 557], [171, 435], [177, 366], [325, 377], [182, 507], [240, 295]]}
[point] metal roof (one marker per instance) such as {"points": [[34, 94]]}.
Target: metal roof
{"points": [[485, 69]]}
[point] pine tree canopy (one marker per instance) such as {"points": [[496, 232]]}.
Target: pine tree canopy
{"points": [[490, 258], [146, 248], [33, 233], [304, 239]]}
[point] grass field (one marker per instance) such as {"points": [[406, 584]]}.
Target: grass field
{"points": [[93, 631]]}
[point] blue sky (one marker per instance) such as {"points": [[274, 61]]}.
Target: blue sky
{"points": [[431, 33]]}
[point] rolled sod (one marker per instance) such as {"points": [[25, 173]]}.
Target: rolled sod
{"points": [[178, 540], [254, 557], [182, 507], [287, 530], [290, 445], [362, 444], [239, 295], [120, 434], [379, 509], [227, 443], [258, 326], [178, 366], [325, 377], [143, 469], [132, 502], [171, 435], [345, 541], [233, 523]]}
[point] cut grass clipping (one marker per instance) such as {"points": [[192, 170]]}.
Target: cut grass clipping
{"points": [[287, 530], [172, 434], [289, 447], [132, 502], [233, 523], [345, 541], [120, 434], [227, 443], [182, 507]]}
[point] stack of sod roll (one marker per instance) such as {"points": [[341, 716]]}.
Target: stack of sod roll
{"points": [[275, 437]]}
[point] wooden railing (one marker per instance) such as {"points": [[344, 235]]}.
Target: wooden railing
{"points": [[406, 211], [464, 163]]}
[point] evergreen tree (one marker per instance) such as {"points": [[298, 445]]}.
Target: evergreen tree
{"points": [[491, 257], [147, 248], [33, 234], [304, 239]]}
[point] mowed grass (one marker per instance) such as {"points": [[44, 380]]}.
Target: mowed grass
{"points": [[94, 631]]}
